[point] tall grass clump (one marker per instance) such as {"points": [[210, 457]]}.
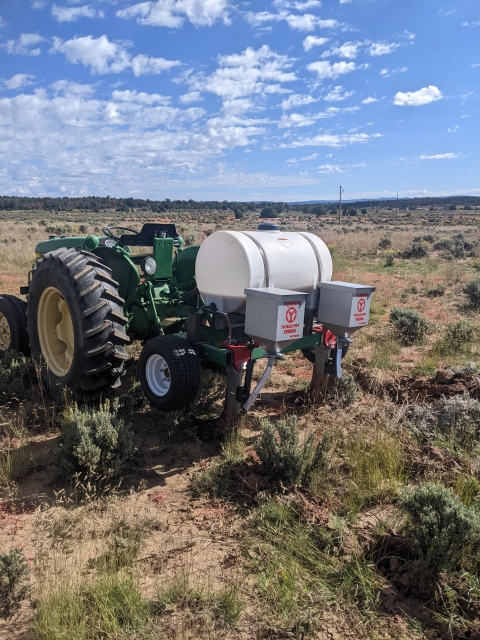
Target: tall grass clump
{"points": [[95, 442], [15, 376], [217, 479], [294, 560], [14, 587], [409, 325], [287, 459], [377, 470], [95, 609], [222, 607], [16, 458], [445, 531]]}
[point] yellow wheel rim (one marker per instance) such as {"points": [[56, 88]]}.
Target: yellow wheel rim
{"points": [[55, 331], [5, 334]]}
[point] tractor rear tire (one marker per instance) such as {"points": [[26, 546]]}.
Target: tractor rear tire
{"points": [[169, 372], [76, 325], [13, 325]]}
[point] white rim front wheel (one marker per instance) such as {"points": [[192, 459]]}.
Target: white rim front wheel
{"points": [[158, 375]]}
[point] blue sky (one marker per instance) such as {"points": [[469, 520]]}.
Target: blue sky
{"points": [[215, 99]]}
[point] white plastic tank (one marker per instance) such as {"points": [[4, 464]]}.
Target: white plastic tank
{"points": [[229, 262]]}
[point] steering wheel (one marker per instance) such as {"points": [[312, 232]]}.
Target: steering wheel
{"points": [[108, 231]]}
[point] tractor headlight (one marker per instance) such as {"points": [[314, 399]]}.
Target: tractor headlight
{"points": [[149, 266]]}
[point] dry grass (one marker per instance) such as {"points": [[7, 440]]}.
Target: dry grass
{"points": [[150, 561]]}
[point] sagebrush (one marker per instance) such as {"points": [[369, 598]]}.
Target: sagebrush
{"points": [[409, 325], [95, 441], [285, 457], [445, 531]]}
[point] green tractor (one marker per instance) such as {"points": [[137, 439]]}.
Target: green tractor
{"points": [[87, 297]]}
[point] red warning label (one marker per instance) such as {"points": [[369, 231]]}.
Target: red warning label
{"points": [[360, 310], [291, 314], [291, 330]]}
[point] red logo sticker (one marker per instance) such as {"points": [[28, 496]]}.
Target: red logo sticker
{"points": [[291, 314], [361, 304]]}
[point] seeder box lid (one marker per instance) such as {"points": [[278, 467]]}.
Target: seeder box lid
{"points": [[273, 293], [346, 286]]}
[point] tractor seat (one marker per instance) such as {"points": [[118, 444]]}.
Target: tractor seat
{"points": [[150, 230]]}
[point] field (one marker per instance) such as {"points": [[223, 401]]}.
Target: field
{"points": [[359, 518]]}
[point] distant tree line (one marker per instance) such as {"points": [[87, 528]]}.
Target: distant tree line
{"points": [[267, 209]]}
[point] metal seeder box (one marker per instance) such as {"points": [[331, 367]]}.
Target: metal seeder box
{"points": [[344, 307], [274, 316]]}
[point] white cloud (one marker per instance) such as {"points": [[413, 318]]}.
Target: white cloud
{"points": [[471, 24], [309, 158], [301, 5], [369, 100], [126, 142], [23, 46], [348, 50], [330, 168], [336, 95], [296, 100], [454, 130], [382, 48], [330, 140], [304, 22], [139, 97], [474, 65], [192, 96], [418, 98], [172, 13], [314, 41], [250, 72], [72, 89], [19, 80], [69, 14], [3, 24], [441, 156], [104, 56], [386, 73], [325, 69]]}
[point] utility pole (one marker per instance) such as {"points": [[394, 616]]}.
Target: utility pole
{"points": [[396, 208], [340, 206]]}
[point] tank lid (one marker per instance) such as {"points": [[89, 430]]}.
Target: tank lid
{"points": [[267, 226]]}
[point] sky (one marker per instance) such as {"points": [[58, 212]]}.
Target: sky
{"points": [[280, 100]]}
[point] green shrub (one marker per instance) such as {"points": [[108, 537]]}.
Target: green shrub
{"points": [[443, 245], [443, 529], [409, 325], [472, 290], [436, 292], [418, 250], [460, 333], [389, 257], [279, 448], [385, 243], [95, 442], [15, 376], [342, 392], [14, 587]]}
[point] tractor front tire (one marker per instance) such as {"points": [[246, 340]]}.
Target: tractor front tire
{"points": [[13, 325], [169, 372], [76, 325]]}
